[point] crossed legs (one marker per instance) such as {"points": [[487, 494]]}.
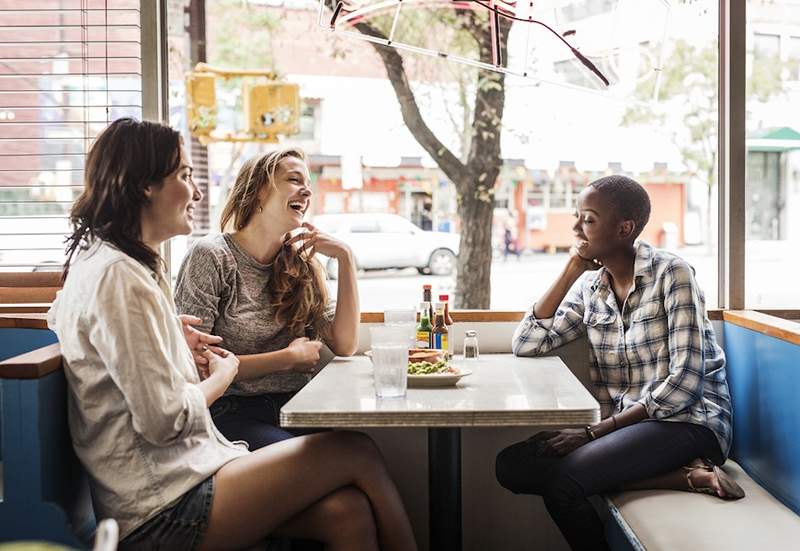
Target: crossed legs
{"points": [[620, 459], [332, 487]]}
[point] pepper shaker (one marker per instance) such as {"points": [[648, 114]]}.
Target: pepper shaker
{"points": [[471, 345]]}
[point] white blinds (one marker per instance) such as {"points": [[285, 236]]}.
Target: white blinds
{"points": [[67, 68]]}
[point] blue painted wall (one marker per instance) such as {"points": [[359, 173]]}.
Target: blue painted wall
{"points": [[14, 342], [764, 379]]}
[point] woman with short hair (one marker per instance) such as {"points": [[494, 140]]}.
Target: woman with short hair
{"points": [[656, 370], [138, 411]]}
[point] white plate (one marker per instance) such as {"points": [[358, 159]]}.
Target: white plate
{"points": [[432, 380], [437, 379]]}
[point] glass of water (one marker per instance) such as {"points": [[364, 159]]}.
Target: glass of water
{"points": [[389, 345], [403, 317]]}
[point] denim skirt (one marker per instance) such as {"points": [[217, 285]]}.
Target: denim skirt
{"points": [[181, 526]]}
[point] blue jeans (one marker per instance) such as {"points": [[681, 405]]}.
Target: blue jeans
{"points": [[636, 452], [180, 527], [254, 419]]}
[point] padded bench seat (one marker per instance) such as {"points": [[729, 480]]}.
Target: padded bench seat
{"points": [[669, 520]]}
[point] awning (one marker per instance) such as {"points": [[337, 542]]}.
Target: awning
{"points": [[774, 140]]}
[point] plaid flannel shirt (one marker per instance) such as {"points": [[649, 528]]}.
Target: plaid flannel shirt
{"points": [[659, 351]]}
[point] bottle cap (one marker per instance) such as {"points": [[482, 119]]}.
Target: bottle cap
{"points": [[471, 333], [444, 298], [426, 287]]}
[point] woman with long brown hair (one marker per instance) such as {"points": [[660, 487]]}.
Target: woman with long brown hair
{"points": [[259, 286], [138, 411]]}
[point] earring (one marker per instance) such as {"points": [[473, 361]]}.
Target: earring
{"points": [[260, 208]]}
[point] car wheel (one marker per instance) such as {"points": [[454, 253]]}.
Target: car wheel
{"points": [[442, 262], [332, 267]]}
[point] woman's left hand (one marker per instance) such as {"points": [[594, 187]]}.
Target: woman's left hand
{"points": [[562, 442], [199, 341], [313, 241]]}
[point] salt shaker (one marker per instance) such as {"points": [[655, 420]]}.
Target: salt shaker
{"points": [[471, 345]]}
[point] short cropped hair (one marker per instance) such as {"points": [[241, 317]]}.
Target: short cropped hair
{"points": [[628, 198]]}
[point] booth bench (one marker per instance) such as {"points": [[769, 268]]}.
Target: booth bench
{"points": [[763, 354]]}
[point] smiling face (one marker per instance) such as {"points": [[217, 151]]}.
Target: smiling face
{"points": [[598, 230], [288, 200], [172, 204]]}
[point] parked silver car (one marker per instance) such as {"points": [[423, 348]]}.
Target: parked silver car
{"points": [[381, 241]]}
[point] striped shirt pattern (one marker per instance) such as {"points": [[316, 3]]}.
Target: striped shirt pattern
{"points": [[660, 350]]}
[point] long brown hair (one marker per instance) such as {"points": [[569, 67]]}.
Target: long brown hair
{"points": [[127, 157], [299, 293]]}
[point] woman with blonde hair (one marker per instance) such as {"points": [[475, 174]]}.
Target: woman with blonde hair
{"points": [[259, 287]]}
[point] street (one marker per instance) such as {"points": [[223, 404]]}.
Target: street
{"points": [[517, 283]]}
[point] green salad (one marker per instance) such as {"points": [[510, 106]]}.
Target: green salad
{"points": [[428, 368]]}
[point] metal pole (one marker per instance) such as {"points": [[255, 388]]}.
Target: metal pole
{"points": [[444, 487]]}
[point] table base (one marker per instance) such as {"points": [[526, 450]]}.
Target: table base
{"points": [[444, 487]]}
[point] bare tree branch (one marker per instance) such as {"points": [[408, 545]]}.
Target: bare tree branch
{"points": [[449, 163]]}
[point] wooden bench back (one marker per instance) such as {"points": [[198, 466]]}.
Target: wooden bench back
{"points": [[29, 287], [764, 378]]}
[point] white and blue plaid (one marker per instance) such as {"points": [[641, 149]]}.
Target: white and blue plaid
{"points": [[659, 351]]}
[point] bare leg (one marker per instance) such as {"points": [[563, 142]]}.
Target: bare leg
{"points": [[256, 494], [342, 521]]}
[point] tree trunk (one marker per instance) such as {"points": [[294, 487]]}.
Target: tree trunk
{"points": [[475, 178], [474, 286]]}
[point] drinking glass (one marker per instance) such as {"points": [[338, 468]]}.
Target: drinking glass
{"points": [[389, 345], [403, 317]]}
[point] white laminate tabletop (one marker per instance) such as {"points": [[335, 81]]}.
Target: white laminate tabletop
{"points": [[503, 390]]}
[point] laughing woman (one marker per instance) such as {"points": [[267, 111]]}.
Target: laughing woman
{"points": [[258, 286], [138, 412], [657, 371]]}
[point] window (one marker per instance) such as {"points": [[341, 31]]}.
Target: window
{"points": [[65, 72], [766, 46], [556, 139], [308, 119], [794, 57], [364, 226], [772, 191]]}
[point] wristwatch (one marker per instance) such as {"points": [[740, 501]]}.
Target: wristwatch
{"points": [[589, 432]]}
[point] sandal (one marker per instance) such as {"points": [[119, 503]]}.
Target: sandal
{"points": [[729, 486]]}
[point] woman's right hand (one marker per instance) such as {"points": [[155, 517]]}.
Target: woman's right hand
{"points": [[222, 363], [578, 261], [304, 354]]}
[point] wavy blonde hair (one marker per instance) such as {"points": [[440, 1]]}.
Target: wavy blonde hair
{"points": [[299, 293]]}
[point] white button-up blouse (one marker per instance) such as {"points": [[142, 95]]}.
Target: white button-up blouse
{"points": [[139, 422]]}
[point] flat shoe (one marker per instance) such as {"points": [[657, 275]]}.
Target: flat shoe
{"points": [[730, 487], [732, 490]]}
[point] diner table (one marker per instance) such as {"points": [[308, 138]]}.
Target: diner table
{"points": [[503, 391]]}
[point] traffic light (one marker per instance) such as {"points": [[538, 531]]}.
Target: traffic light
{"points": [[272, 109], [201, 103]]}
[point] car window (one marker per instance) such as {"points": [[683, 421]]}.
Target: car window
{"points": [[395, 225], [328, 225], [364, 226]]}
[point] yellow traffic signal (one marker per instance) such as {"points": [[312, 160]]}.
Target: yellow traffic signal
{"points": [[201, 103], [272, 109]]}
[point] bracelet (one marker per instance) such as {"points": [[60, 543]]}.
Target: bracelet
{"points": [[589, 432], [614, 420]]}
